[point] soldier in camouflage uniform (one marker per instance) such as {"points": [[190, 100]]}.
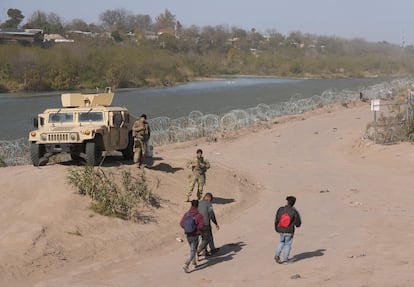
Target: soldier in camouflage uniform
{"points": [[141, 133], [198, 167]]}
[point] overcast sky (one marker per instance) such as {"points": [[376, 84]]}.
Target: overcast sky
{"points": [[373, 20]]}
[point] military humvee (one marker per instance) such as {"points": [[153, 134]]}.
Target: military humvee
{"points": [[86, 126]]}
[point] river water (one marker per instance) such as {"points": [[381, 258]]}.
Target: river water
{"points": [[215, 96]]}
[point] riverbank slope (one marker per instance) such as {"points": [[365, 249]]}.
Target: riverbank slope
{"points": [[354, 197]]}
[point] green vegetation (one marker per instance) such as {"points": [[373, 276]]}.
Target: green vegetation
{"points": [[109, 197], [15, 18], [128, 50], [2, 162]]}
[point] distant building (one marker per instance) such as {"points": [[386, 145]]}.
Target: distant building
{"points": [[21, 35], [149, 35], [85, 34], [168, 31], [57, 38]]}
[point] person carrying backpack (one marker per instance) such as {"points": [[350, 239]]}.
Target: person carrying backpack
{"points": [[286, 219], [192, 222]]}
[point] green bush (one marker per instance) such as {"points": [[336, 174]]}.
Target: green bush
{"points": [[2, 162], [108, 197]]}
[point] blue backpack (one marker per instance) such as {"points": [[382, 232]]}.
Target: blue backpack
{"points": [[190, 225]]}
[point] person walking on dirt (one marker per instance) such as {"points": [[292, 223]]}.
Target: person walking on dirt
{"points": [[141, 133], [199, 167], [286, 219], [206, 209], [192, 222]]}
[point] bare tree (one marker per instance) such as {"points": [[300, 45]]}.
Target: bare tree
{"points": [[216, 37], [295, 38], [275, 39], [192, 32], [78, 24], [166, 20], [115, 19], [238, 33], [139, 22], [49, 23]]}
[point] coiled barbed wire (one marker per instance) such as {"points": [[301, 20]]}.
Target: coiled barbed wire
{"points": [[165, 130]]}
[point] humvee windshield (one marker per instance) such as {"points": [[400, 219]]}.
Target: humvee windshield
{"points": [[91, 117], [60, 117]]}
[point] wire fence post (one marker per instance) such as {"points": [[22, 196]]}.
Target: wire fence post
{"points": [[375, 106]]}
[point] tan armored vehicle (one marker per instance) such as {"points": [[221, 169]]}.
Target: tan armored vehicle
{"points": [[86, 126]]}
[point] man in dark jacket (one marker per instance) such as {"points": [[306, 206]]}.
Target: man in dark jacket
{"points": [[192, 237], [287, 218]]}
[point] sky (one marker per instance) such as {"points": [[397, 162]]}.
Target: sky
{"points": [[373, 20]]}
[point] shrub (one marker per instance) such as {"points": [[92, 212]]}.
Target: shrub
{"points": [[108, 197], [2, 162], [393, 125]]}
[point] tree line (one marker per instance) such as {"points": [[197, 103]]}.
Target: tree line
{"points": [[127, 50]]}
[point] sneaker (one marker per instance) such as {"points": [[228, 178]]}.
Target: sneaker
{"points": [[186, 269], [201, 253], [277, 259]]}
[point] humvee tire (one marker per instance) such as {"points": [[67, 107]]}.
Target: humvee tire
{"points": [[93, 153], [37, 151], [75, 157], [128, 153]]}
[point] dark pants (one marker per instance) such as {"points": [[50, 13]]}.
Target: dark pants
{"points": [[206, 239]]}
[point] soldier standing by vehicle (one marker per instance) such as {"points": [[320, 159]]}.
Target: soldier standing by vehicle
{"points": [[141, 133], [199, 167]]}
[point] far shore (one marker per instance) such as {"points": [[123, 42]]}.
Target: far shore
{"points": [[216, 78]]}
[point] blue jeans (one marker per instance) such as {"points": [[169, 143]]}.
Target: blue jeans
{"points": [[286, 244], [193, 242]]}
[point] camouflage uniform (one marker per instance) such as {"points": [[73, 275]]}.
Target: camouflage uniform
{"points": [[141, 133], [199, 167]]}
